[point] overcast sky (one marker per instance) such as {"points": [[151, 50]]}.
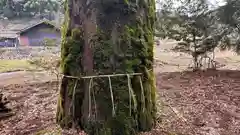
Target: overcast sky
{"points": [[215, 3]]}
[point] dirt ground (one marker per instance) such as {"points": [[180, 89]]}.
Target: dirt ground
{"points": [[34, 105], [190, 103], [201, 103]]}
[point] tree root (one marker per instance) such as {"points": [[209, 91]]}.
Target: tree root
{"points": [[4, 115], [4, 111]]}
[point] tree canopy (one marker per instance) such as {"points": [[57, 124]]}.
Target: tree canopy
{"points": [[28, 8], [199, 26]]}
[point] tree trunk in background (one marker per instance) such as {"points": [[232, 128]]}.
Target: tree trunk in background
{"points": [[108, 37]]}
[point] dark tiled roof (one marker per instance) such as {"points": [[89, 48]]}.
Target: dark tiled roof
{"points": [[8, 34], [11, 30], [36, 24]]}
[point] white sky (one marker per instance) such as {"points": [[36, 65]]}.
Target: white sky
{"points": [[215, 3]]}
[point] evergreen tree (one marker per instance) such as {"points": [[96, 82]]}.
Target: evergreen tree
{"points": [[109, 37], [229, 16], [8, 9], [28, 8], [193, 23]]}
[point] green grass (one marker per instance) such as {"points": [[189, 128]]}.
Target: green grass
{"points": [[54, 131], [48, 132], [15, 65]]}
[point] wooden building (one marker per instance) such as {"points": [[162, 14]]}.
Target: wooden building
{"points": [[30, 35]]}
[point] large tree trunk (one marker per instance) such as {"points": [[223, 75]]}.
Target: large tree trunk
{"points": [[108, 37]]}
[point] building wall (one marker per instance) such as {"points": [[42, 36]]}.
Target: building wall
{"points": [[23, 40], [37, 35], [8, 42]]}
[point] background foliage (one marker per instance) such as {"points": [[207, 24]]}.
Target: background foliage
{"points": [[200, 26], [29, 8]]}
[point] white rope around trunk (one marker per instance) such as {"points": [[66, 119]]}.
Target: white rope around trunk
{"points": [[73, 98], [89, 98], [111, 92], [130, 94], [101, 76], [142, 93], [130, 91]]}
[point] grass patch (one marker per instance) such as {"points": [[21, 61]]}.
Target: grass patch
{"points": [[48, 132], [15, 65], [55, 131]]}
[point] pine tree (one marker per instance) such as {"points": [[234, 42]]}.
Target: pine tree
{"points": [[194, 25]]}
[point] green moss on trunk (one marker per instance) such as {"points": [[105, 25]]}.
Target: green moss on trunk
{"points": [[70, 64], [123, 44]]}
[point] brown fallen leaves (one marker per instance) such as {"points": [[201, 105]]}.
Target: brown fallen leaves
{"points": [[34, 105], [209, 100], [192, 103]]}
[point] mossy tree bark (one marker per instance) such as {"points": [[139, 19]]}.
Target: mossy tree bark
{"points": [[108, 37]]}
